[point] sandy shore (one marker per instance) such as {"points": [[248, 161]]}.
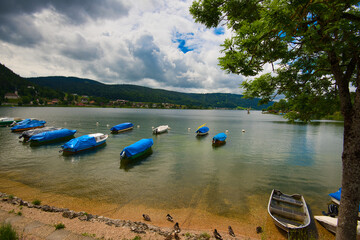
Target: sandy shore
{"points": [[193, 222]]}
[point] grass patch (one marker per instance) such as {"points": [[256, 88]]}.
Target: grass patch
{"points": [[137, 238], [19, 213], [7, 232], [85, 234], [59, 226], [205, 236], [36, 202], [12, 211], [11, 197]]}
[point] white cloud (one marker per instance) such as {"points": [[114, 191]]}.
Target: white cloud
{"points": [[132, 43]]}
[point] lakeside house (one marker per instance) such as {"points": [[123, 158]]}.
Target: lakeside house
{"points": [[13, 95]]}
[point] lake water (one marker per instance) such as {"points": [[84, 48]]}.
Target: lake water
{"points": [[183, 171]]}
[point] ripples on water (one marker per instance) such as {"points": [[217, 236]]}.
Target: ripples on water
{"points": [[183, 171]]}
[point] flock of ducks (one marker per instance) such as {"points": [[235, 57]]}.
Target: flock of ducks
{"points": [[177, 228]]}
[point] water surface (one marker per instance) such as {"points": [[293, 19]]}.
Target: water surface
{"points": [[184, 171]]}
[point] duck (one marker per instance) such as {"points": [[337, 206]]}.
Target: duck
{"points": [[177, 228], [231, 232], [217, 235], [146, 217], [169, 218]]}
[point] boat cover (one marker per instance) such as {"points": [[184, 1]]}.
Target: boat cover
{"points": [[51, 135], [80, 143], [202, 130], [337, 196], [137, 147], [220, 137], [28, 124], [32, 132], [121, 126]]}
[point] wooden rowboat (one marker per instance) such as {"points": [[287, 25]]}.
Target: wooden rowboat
{"points": [[289, 212], [330, 223]]}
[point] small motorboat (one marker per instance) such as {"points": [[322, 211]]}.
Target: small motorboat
{"points": [[138, 149], [28, 124], [52, 136], [219, 139], [336, 196], [330, 223], [160, 129], [83, 143], [289, 212], [29, 133], [202, 130], [6, 122], [122, 127]]}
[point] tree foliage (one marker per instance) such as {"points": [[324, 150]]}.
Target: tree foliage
{"points": [[313, 47]]}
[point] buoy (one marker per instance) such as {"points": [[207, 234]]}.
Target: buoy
{"points": [[243, 130], [226, 131], [189, 129], [138, 126], [107, 125], [97, 123]]}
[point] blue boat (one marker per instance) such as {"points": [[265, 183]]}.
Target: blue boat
{"points": [[83, 143], [335, 197], [52, 136], [122, 127], [137, 149], [28, 124], [219, 139], [29, 133], [202, 131]]}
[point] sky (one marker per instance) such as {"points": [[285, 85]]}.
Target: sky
{"points": [[152, 43]]}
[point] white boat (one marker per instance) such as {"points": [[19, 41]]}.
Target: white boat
{"points": [[330, 223], [289, 212], [84, 142], [161, 129]]}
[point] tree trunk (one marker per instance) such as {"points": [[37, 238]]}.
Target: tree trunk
{"points": [[350, 193]]}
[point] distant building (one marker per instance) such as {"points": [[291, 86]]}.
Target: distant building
{"points": [[12, 95]]}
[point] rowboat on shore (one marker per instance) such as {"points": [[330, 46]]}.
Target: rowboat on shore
{"points": [[330, 223], [137, 150], [83, 143], [6, 122], [289, 212], [51, 136], [160, 129], [26, 135], [122, 127], [336, 196], [28, 124], [202, 130], [219, 139]]}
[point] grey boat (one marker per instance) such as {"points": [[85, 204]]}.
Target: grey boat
{"points": [[289, 212]]}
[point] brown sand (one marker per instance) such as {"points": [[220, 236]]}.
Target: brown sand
{"points": [[192, 221]]}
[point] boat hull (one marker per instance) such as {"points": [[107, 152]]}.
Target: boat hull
{"points": [[71, 151], [289, 212], [160, 129], [38, 143], [330, 223], [218, 143], [122, 130], [25, 129]]}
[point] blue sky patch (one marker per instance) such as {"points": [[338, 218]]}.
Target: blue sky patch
{"points": [[219, 31], [181, 39]]}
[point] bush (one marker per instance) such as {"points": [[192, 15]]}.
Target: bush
{"points": [[36, 202], [59, 226], [7, 232]]}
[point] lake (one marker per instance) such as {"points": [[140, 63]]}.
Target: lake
{"points": [[184, 171]]}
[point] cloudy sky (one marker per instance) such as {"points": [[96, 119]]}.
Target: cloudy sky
{"points": [[153, 43]]}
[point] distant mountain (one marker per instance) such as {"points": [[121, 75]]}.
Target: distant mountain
{"points": [[144, 94], [11, 82]]}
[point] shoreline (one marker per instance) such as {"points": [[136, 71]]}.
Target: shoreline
{"points": [[112, 221]]}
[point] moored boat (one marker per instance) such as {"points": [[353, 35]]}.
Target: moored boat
{"points": [[219, 139], [336, 196], [52, 136], [330, 223], [6, 122], [84, 142], [160, 129], [29, 133], [138, 149], [28, 124], [122, 127], [289, 212], [202, 130]]}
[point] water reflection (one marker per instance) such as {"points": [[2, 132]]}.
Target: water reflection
{"points": [[128, 164]]}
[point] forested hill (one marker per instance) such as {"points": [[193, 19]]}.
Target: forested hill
{"points": [[144, 94]]}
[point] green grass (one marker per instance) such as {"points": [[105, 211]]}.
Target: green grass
{"points": [[85, 234], [11, 197], [36, 202], [59, 226], [205, 236], [137, 238], [19, 213], [7, 232]]}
